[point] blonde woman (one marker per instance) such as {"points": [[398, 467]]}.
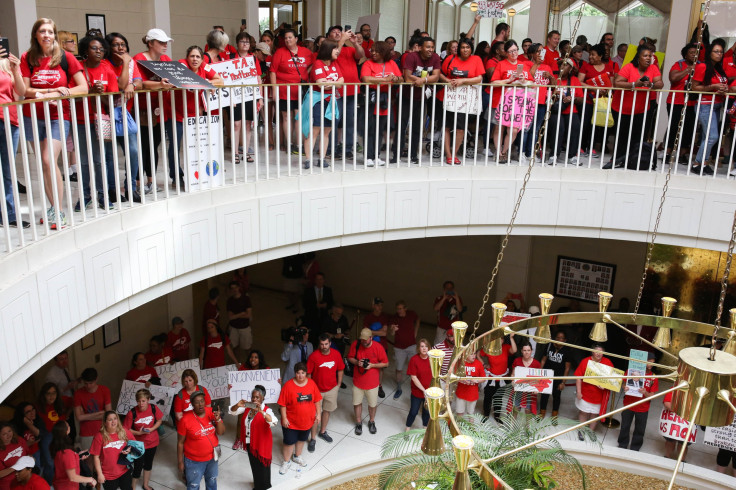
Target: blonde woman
{"points": [[49, 72], [107, 446]]}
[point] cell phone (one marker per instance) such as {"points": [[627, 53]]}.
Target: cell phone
{"points": [[348, 27], [146, 429], [644, 79], [519, 70], [5, 44], [243, 22], [83, 454]]}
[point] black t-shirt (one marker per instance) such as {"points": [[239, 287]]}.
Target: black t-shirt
{"points": [[556, 359], [331, 326]]}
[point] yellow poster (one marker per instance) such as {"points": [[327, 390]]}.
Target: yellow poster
{"points": [[631, 52], [597, 369]]}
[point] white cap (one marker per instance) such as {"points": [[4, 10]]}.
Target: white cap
{"points": [[23, 463], [157, 35], [533, 310]]}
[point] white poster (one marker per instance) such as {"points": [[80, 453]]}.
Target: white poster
{"points": [[721, 437], [536, 385], [243, 382], [636, 368], [492, 10], [675, 427], [161, 396], [235, 73], [211, 172], [465, 99], [170, 374], [216, 380]]}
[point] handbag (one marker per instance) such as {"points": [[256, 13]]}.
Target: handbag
{"points": [[132, 126], [602, 116], [103, 125], [216, 450]]}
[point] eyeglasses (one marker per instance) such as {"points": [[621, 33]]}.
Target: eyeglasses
{"points": [[119, 45], [98, 48], [716, 52], [512, 50], [243, 42], [70, 41]]}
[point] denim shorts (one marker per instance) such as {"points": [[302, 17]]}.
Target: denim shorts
{"points": [[55, 129]]}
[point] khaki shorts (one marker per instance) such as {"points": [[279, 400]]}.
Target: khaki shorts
{"points": [[403, 356], [241, 337], [329, 399], [371, 395]]}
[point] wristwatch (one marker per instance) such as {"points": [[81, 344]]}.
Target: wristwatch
{"points": [[633, 85]]}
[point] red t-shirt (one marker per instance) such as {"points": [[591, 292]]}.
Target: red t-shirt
{"points": [[503, 71], [65, 460], [519, 362], [141, 375], [133, 74], [404, 336], [201, 435], [104, 73], [8, 457], [7, 95], [680, 97], [32, 446], [182, 402], [179, 344], [568, 88], [729, 67], [91, 403], [214, 353], [320, 71], [550, 58], [349, 69], [291, 69], [300, 403], [34, 483], [45, 77], [49, 416], [205, 71], [380, 70], [161, 359], [652, 386], [109, 453], [596, 78], [142, 103], [420, 368], [591, 393], [144, 420], [324, 368], [367, 47], [699, 75], [498, 365], [539, 79], [454, 67], [448, 313], [469, 391], [375, 353], [631, 74]]}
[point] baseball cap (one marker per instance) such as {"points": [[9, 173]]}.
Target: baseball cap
{"points": [[339, 28], [23, 463], [157, 35], [263, 48], [449, 332], [377, 300], [365, 334], [533, 310]]}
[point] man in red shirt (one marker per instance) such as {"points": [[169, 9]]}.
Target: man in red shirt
{"points": [[368, 357], [639, 413], [448, 308], [497, 366], [551, 55], [591, 400], [377, 321], [404, 327], [325, 366], [90, 404], [367, 45]]}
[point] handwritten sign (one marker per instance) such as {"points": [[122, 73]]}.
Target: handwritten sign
{"points": [[675, 427], [491, 10], [597, 369], [243, 382], [161, 396], [636, 368], [517, 108], [721, 437], [536, 385], [235, 73], [211, 171], [178, 75], [465, 99], [216, 380], [170, 374]]}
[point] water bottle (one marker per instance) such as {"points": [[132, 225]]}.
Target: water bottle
{"points": [[298, 471]]}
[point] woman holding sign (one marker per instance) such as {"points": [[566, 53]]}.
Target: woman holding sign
{"points": [[143, 421], [526, 402], [564, 122], [541, 74], [590, 400], [195, 62], [245, 51], [254, 433], [140, 371]]}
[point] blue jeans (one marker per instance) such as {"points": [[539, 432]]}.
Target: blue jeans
{"points": [[530, 137], [195, 470], [416, 404], [47, 462], [709, 133], [133, 151], [171, 149], [96, 160], [5, 160]]}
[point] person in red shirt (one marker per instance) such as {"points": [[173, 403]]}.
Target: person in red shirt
{"points": [[12, 448], [90, 404], [679, 74], [591, 401], [29, 426], [497, 366], [110, 442], [197, 439], [421, 377], [67, 467], [195, 62], [565, 115], [594, 74], [540, 74], [158, 354], [24, 477], [11, 83], [377, 321], [526, 402], [245, 54], [368, 357], [449, 307], [404, 327], [467, 390], [178, 340], [189, 386], [301, 405], [367, 44], [326, 367], [551, 54], [143, 421], [140, 371], [638, 414], [213, 347]]}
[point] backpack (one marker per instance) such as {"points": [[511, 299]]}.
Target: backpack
{"points": [[160, 429]]}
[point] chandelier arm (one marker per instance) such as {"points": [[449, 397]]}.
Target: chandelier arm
{"points": [[724, 287], [680, 386], [453, 379], [701, 392], [607, 318]]}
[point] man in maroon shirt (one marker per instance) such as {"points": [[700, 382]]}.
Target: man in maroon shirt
{"points": [[239, 312], [377, 321], [404, 326], [347, 62], [448, 308]]}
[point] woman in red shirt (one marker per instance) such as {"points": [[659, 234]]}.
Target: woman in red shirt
{"points": [[140, 371], [45, 75], [12, 448], [182, 400], [195, 62], [143, 421], [526, 402], [467, 391], [11, 85], [245, 50], [214, 346], [679, 74], [30, 427], [594, 74], [67, 468], [421, 377], [107, 446], [565, 116], [540, 74], [463, 69], [50, 410]]}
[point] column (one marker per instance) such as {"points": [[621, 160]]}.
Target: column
{"points": [[314, 14], [16, 24], [538, 20], [162, 15], [417, 16]]}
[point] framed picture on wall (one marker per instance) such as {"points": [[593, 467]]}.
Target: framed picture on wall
{"points": [[111, 333], [582, 279], [97, 21], [88, 340]]}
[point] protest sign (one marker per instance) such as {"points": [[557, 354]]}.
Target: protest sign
{"points": [[721, 437], [636, 368], [465, 99], [170, 374], [235, 73], [216, 381], [491, 10], [517, 109], [243, 382], [211, 172], [598, 369], [536, 385], [675, 427], [161, 396], [176, 73]]}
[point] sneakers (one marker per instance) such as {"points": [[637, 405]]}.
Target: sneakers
{"points": [[414, 161], [381, 393], [51, 216], [523, 159], [707, 170], [577, 161], [325, 437], [285, 467], [14, 224], [398, 393], [552, 161], [581, 437], [380, 162], [306, 164], [358, 429], [732, 173], [311, 445], [369, 163], [489, 152], [88, 203], [298, 460], [484, 419], [238, 444], [324, 164], [372, 427]]}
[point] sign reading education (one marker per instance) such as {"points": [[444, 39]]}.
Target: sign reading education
{"points": [[161, 396], [536, 385], [243, 382], [721, 437], [675, 427], [203, 145], [598, 369], [216, 381], [178, 75], [492, 10], [170, 374], [235, 73]]}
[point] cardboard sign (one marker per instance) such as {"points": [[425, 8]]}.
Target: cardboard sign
{"points": [[721, 437], [465, 99], [518, 107], [178, 75], [243, 382], [170, 374], [597, 369], [675, 427], [211, 171], [216, 381], [491, 10], [161, 396], [533, 386], [636, 368], [236, 73]]}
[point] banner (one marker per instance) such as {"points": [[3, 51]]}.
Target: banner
{"points": [[170, 374], [597, 369], [178, 75], [493, 10], [721, 437], [636, 368], [465, 99], [533, 386], [161, 396], [212, 171], [242, 384], [216, 381], [675, 427], [518, 104], [235, 72]]}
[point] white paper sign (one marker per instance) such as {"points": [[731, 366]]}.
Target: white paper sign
{"points": [[721, 437], [636, 368], [235, 73], [216, 381], [243, 382], [212, 170], [493, 10], [675, 427], [465, 99], [533, 386], [161, 396], [170, 374]]}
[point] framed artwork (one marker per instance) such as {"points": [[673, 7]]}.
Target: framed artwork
{"points": [[583, 279], [111, 333], [96, 21], [88, 340]]}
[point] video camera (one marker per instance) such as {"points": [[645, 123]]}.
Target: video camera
{"points": [[292, 334]]}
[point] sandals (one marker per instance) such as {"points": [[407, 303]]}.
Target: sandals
{"points": [[238, 159], [249, 158], [448, 160]]}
